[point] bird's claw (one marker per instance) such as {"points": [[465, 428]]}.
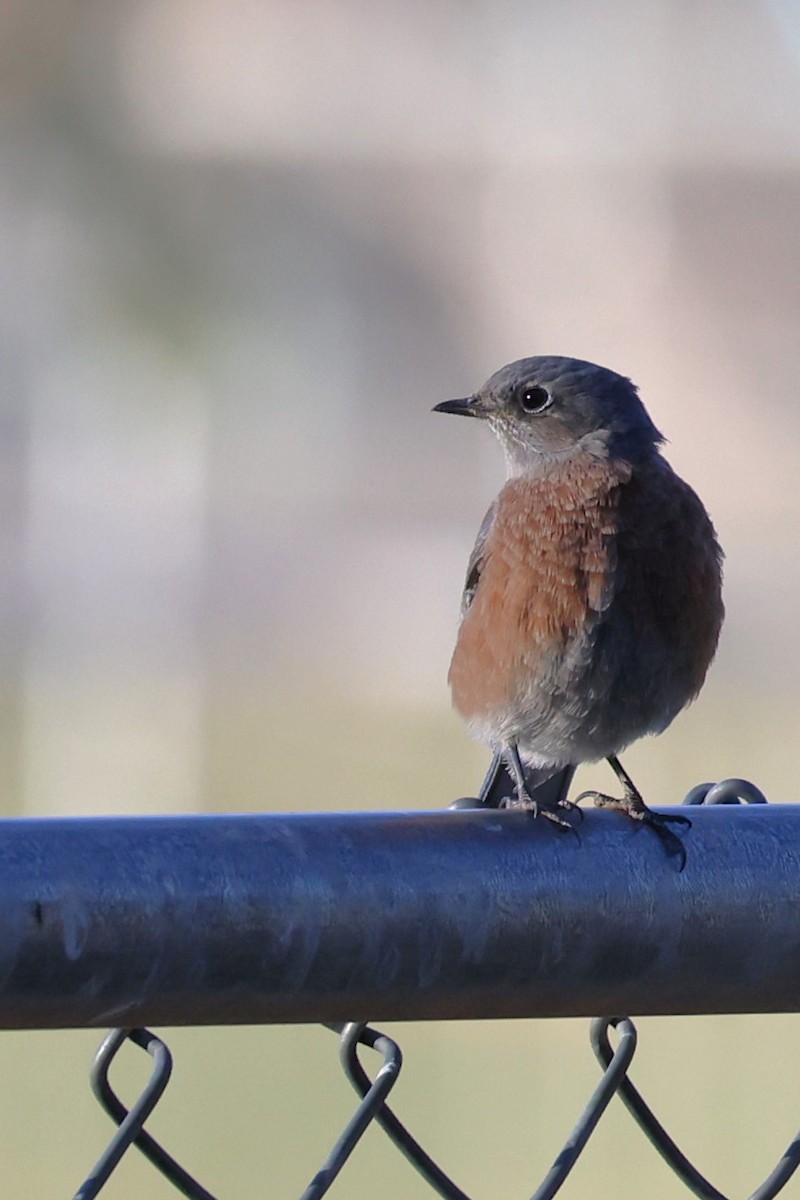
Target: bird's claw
{"points": [[635, 808], [572, 808], [526, 803], [672, 844]]}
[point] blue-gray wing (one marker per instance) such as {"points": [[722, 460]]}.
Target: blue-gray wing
{"points": [[476, 560]]}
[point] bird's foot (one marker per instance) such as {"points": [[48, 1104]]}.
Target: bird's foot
{"points": [[633, 806], [522, 801]]}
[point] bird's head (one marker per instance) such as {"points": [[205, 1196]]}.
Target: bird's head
{"points": [[552, 408]]}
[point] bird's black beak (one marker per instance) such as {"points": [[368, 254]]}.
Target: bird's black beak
{"points": [[470, 406]]}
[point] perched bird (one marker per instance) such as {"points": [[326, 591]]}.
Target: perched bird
{"points": [[592, 605]]}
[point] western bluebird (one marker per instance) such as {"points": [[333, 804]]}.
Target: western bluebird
{"points": [[592, 605]]}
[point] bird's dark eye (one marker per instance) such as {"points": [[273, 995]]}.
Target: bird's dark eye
{"points": [[534, 399]]}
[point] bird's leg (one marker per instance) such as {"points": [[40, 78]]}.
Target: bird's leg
{"points": [[495, 776], [523, 799], [632, 804]]}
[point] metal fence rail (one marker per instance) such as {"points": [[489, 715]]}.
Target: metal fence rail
{"points": [[220, 920], [333, 918]]}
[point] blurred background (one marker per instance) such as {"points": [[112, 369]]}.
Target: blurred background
{"points": [[247, 246]]}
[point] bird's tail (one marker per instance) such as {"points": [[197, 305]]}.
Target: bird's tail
{"points": [[546, 785]]}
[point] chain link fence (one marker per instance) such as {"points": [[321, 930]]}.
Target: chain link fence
{"points": [[40, 989], [614, 1060]]}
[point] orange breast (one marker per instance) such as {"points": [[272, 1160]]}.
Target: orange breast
{"points": [[547, 570]]}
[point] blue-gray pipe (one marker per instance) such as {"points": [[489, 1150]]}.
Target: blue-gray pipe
{"points": [[394, 916]]}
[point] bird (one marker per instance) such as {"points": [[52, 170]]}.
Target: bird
{"points": [[592, 605]]}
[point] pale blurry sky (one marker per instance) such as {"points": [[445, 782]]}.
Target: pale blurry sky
{"points": [[249, 245]]}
